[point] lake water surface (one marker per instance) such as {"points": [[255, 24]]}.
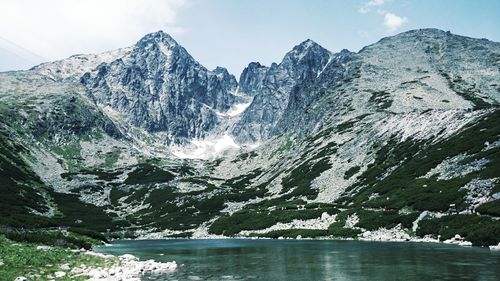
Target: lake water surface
{"points": [[244, 259]]}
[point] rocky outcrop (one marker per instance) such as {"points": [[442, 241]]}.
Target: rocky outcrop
{"points": [[252, 78], [298, 116], [161, 88], [303, 63]]}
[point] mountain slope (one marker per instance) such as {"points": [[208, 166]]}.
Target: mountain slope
{"points": [[398, 141], [303, 63]]}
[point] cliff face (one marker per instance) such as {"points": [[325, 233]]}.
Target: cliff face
{"points": [[272, 86], [158, 86]]}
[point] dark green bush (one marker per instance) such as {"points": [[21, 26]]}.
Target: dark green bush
{"points": [[147, 173], [293, 233], [337, 229], [260, 219], [50, 238], [351, 172], [480, 230], [491, 208], [372, 220]]}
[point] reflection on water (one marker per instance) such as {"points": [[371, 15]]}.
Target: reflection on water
{"points": [[241, 259]]}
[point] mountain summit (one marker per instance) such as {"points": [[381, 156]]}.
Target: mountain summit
{"points": [[158, 86]]}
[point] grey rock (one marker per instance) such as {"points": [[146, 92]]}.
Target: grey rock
{"points": [[272, 90], [252, 78], [161, 88]]}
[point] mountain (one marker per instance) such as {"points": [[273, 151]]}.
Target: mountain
{"points": [[303, 63], [158, 86], [398, 141]]}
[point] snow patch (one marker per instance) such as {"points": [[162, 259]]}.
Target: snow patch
{"points": [[235, 110], [205, 149]]}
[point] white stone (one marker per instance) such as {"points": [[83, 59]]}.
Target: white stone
{"points": [[59, 274], [65, 267], [495, 248], [43, 248], [128, 257]]}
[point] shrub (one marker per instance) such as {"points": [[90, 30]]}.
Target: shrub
{"points": [[480, 230], [372, 220], [337, 229], [293, 233], [491, 208]]}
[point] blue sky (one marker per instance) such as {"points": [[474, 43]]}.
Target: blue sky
{"points": [[229, 33]]}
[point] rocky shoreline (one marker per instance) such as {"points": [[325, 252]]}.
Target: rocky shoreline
{"points": [[127, 268], [395, 234], [130, 268]]}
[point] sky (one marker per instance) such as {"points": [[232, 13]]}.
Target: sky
{"points": [[228, 33]]}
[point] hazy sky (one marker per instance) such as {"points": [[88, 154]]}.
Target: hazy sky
{"points": [[229, 33]]}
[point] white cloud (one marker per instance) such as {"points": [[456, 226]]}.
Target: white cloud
{"points": [[393, 22], [370, 4], [59, 28]]}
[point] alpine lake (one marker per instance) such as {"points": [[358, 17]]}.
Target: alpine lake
{"points": [[252, 259]]}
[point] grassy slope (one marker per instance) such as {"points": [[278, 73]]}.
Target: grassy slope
{"points": [[24, 259]]}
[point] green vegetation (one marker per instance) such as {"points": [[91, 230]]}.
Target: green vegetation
{"points": [[261, 218], [242, 157], [111, 157], [350, 123], [21, 189], [293, 233], [301, 177], [406, 188], [411, 160], [351, 172], [63, 238], [287, 145], [186, 234], [23, 259], [462, 88], [491, 208], [480, 230], [100, 173], [382, 100], [70, 153], [147, 173], [94, 217], [373, 220], [338, 230]]}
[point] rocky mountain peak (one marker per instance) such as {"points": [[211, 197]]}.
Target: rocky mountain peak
{"points": [[272, 87], [160, 87], [220, 70], [306, 50], [252, 77], [159, 37]]}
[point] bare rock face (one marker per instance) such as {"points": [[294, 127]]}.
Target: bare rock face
{"points": [[252, 78], [161, 88], [415, 71], [272, 87]]}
